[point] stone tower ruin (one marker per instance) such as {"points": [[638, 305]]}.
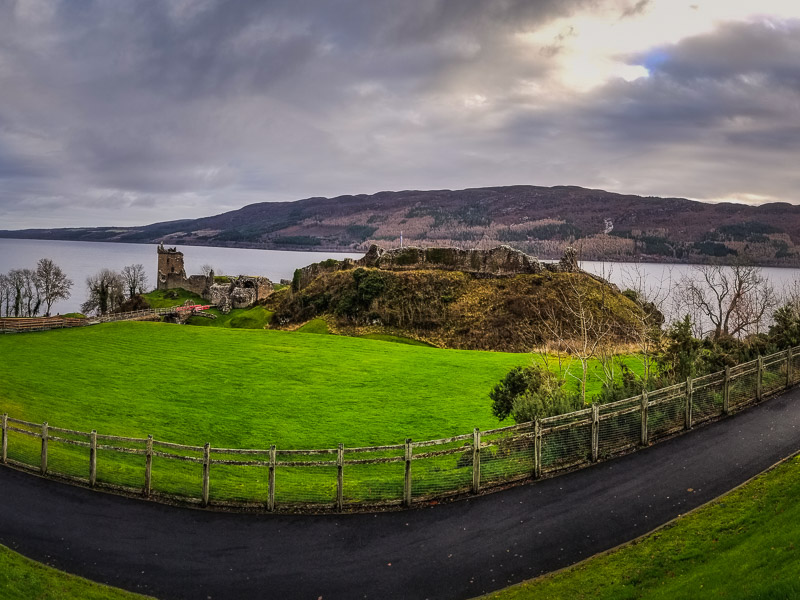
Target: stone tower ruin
{"points": [[170, 266]]}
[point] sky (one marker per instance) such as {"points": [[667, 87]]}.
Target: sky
{"points": [[127, 113]]}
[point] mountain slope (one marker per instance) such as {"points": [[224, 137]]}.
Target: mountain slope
{"points": [[538, 220]]}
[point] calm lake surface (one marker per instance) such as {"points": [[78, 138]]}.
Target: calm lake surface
{"points": [[79, 260]]}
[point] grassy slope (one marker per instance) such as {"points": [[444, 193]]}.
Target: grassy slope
{"points": [[246, 388], [319, 326], [453, 309], [21, 577], [742, 546], [163, 298], [256, 317]]}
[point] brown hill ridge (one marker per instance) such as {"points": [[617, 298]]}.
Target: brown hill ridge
{"points": [[542, 221]]}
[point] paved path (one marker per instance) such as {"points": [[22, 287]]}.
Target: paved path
{"points": [[457, 550]]}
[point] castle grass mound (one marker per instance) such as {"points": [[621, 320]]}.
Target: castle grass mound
{"points": [[454, 309]]}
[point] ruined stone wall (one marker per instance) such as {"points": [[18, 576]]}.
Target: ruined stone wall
{"points": [[501, 261], [239, 292]]}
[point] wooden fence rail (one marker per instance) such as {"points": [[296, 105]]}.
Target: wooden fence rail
{"points": [[396, 474], [22, 324]]}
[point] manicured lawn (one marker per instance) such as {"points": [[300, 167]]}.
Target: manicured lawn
{"points": [[743, 546], [23, 578], [246, 388], [256, 317], [249, 389]]}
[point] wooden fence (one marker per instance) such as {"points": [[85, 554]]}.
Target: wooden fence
{"points": [[399, 474], [21, 324]]}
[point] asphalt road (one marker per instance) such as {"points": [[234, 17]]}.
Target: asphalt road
{"points": [[449, 551]]}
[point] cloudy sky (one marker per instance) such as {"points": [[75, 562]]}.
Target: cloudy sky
{"points": [[124, 113]]}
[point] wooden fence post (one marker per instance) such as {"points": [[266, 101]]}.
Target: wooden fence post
{"points": [[760, 379], [726, 392], [93, 458], [340, 477], [148, 465], [476, 461], [537, 449], [407, 480], [595, 432], [789, 367], [4, 456], [271, 485], [687, 417], [43, 466], [206, 469], [644, 418]]}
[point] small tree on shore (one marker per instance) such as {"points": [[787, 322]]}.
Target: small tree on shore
{"points": [[53, 283], [735, 301], [105, 292], [134, 279]]}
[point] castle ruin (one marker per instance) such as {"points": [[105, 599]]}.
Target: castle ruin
{"points": [[225, 292]]}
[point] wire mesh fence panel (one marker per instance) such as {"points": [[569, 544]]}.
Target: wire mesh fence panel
{"points": [[25, 449], [507, 457], [620, 429], [666, 413], [566, 445], [68, 459], [441, 469], [305, 485], [773, 378], [743, 387], [373, 482], [120, 469], [795, 366], [238, 483], [440, 476], [708, 398], [177, 477]]}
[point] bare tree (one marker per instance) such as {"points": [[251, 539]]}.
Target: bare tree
{"points": [[5, 295], [651, 294], [206, 270], [135, 279], [585, 328], [105, 292], [53, 283], [728, 301], [16, 281], [31, 292]]}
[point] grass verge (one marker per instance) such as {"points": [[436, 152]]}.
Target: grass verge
{"points": [[21, 577], [742, 546]]}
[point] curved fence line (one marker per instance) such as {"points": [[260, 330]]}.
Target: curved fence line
{"points": [[389, 475], [20, 324]]}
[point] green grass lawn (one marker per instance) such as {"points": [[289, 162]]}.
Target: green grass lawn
{"points": [[21, 577], [314, 326], [256, 317], [249, 389], [169, 298], [246, 388], [743, 546]]}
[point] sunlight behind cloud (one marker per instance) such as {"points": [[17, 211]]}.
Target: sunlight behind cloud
{"points": [[589, 49]]}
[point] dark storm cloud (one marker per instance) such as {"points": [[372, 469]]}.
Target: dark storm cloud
{"points": [[132, 112]]}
